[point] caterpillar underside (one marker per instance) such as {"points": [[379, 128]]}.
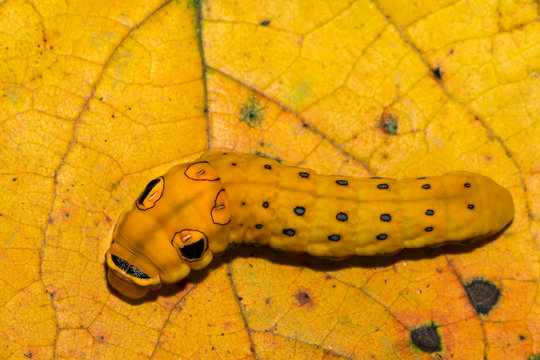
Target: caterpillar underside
{"points": [[197, 209]]}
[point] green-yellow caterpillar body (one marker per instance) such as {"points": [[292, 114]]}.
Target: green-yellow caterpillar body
{"points": [[198, 209]]}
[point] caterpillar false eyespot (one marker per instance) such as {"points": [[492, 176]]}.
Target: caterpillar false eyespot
{"points": [[195, 210]]}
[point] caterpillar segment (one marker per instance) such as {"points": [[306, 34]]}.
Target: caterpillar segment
{"points": [[197, 209]]}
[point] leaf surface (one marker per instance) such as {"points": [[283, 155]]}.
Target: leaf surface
{"points": [[99, 97]]}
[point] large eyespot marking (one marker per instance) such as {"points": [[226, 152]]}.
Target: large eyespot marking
{"points": [[190, 244], [151, 194], [201, 171], [220, 212]]}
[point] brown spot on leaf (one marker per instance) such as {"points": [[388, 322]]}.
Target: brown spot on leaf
{"points": [[427, 338], [303, 299], [483, 295]]}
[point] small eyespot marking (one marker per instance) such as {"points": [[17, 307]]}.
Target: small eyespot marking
{"points": [[382, 237], [430, 212], [467, 185], [200, 173], [299, 210], [382, 186], [426, 186], [342, 216], [428, 229], [334, 237], [470, 206], [265, 204], [289, 232], [258, 226], [386, 217], [303, 174], [267, 167], [342, 182]]}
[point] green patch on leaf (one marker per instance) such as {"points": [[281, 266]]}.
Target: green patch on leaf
{"points": [[252, 112], [389, 123]]}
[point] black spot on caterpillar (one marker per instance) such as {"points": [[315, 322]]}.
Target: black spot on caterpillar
{"points": [[198, 209]]}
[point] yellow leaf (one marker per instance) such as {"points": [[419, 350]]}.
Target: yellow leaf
{"points": [[98, 97]]}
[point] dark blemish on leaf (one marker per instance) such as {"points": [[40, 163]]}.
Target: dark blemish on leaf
{"points": [[289, 232], [67, 215], [521, 337], [303, 298], [267, 300], [239, 298], [427, 338], [334, 237], [389, 123], [29, 355], [483, 295], [342, 216], [265, 23], [252, 112], [437, 73]]}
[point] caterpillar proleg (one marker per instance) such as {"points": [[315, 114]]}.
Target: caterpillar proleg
{"points": [[197, 209]]}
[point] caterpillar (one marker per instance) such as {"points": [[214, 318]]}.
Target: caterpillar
{"points": [[197, 209]]}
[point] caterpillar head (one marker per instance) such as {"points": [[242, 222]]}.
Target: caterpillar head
{"points": [[177, 223]]}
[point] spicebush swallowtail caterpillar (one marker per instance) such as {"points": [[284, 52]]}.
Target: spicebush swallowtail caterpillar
{"points": [[197, 209]]}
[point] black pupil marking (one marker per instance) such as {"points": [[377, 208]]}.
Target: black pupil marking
{"points": [[265, 204], [193, 251], [233, 164], [342, 216], [299, 210], [382, 237], [382, 186], [467, 185], [428, 229], [267, 167], [342, 182], [421, 178], [121, 263], [334, 237], [386, 217], [258, 226], [303, 174], [430, 212], [136, 272], [470, 206], [426, 186], [289, 232], [147, 190]]}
